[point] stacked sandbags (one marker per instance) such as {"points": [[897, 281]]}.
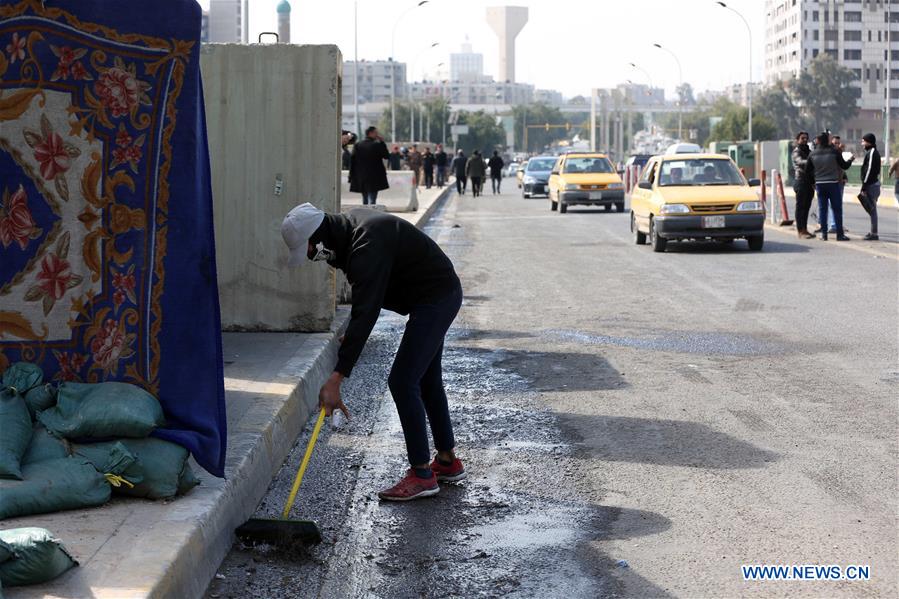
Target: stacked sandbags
{"points": [[31, 556], [70, 446]]}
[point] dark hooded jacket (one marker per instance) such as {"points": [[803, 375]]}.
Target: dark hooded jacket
{"points": [[390, 264], [458, 165], [367, 172], [800, 166], [871, 167]]}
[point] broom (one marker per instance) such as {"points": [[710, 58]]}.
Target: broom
{"points": [[282, 531]]}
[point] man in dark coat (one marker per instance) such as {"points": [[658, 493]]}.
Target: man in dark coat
{"points": [[870, 182], [827, 167], [367, 173], [393, 265], [427, 165], [496, 165], [395, 161], [458, 166], [802, 185], [476, 170], [442, 161]]}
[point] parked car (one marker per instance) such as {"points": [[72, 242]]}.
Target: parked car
{"points": [[520, 173], [683, 148], [536, 176], [638, 160], [585, 179], [698, 197], [511, 169]]}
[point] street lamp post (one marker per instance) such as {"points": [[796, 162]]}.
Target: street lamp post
{"points": [[411, 105], [680, 102], [749, 30], [393, 69], [648, 93]]}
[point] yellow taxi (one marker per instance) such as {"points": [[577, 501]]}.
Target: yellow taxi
{"points": [[585, 179], [696, 197]]}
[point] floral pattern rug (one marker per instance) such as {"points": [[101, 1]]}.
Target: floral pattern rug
{"points": [[107, 259]]}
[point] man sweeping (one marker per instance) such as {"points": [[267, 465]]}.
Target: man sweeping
{"points": [[391, 264]]}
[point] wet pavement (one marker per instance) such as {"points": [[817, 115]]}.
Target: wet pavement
{"points": [[633, 425]]}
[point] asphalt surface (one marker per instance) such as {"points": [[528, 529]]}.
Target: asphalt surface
{"points": [[634, 424]]}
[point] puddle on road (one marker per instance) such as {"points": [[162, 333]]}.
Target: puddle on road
{"points": [[707, 344]]}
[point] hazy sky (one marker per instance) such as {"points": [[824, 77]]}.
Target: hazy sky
{"points": [[568, 45]]}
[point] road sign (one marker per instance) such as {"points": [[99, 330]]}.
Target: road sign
{"points": [[458, 130]]}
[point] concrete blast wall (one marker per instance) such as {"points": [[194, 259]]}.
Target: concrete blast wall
{"points": [[273, 115]]}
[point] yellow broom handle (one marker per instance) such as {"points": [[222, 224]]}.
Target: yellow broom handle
{"points": [[299, 479]]}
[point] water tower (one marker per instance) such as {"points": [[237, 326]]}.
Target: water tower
{"points": [[507, 22], [284, 22]]}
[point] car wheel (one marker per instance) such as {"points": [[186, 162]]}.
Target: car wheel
{"points": [[756, 243], [563, 207], [639, 236], [658, 243], [526, 196], [619, 206], [608, 207]]}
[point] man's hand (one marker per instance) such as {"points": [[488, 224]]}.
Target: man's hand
{"points": [[329, 396]]}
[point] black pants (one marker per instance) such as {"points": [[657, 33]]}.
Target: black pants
{"points": [[416, 379], [461, 180], [477, 183], [804, 196], [497, 183], [429, 177]]}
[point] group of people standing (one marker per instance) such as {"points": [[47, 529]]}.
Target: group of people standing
{"points": [[822, 170], [368, 175]]}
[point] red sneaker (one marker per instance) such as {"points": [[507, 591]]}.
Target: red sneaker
{"points": [[411, 487], [449, 474]]}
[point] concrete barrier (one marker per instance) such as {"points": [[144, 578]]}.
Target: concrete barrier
{"points": [[402, 196], [273, 116]]}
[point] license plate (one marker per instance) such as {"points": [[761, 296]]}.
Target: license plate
{"points": [[595, 195], [712, 222]]}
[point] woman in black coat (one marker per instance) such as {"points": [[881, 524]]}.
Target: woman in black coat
{"points": [[367, 173]]}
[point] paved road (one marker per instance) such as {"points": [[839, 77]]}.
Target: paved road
{"points": [[635, 424]]}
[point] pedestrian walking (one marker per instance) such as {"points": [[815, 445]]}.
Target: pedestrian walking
{"points": [[894, 172], [414, 161], [442, 161], [393, 265], [367, 173], [427, 165], [870, 182], [346, 139], [496, 165], [395, 161], [827, 166], [476, 170], [803, 186], [458, 166]]}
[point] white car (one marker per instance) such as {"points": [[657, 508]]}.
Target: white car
{"points": [[682, 148], [512, 169]]}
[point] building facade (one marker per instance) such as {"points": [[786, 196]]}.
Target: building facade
{"points": [[853, 32], [484, 92], [466, 65], [374, 81], [225, 21]]}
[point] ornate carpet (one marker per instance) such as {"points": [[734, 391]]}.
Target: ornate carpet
{"points": [[107, 256]]}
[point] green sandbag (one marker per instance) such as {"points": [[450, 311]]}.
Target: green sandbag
{"points": [[6, 552], [39, 557], [161, 470], [14, 434], [44, 447], [53, 486], [22, 376], [101, 411], [40, 398], [111, 458]]}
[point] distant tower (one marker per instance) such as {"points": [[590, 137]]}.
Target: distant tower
{"points": [[284, 22], [507, 22]]}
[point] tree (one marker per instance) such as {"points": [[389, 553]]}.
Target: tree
{"points": [[685, 95], [776, 104], [825, 94], [436, 109], [734, 126], [538, 114], [484, 133]]}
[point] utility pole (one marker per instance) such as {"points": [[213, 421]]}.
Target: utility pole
{"points": [[888, 93], [593, 120]]}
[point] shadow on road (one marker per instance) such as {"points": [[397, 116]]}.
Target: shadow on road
{"points": [[738, 247], [663, 442]]}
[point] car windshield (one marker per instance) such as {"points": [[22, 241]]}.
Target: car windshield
{"points": [[588, 164], [541, 164], [699, 172]]}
